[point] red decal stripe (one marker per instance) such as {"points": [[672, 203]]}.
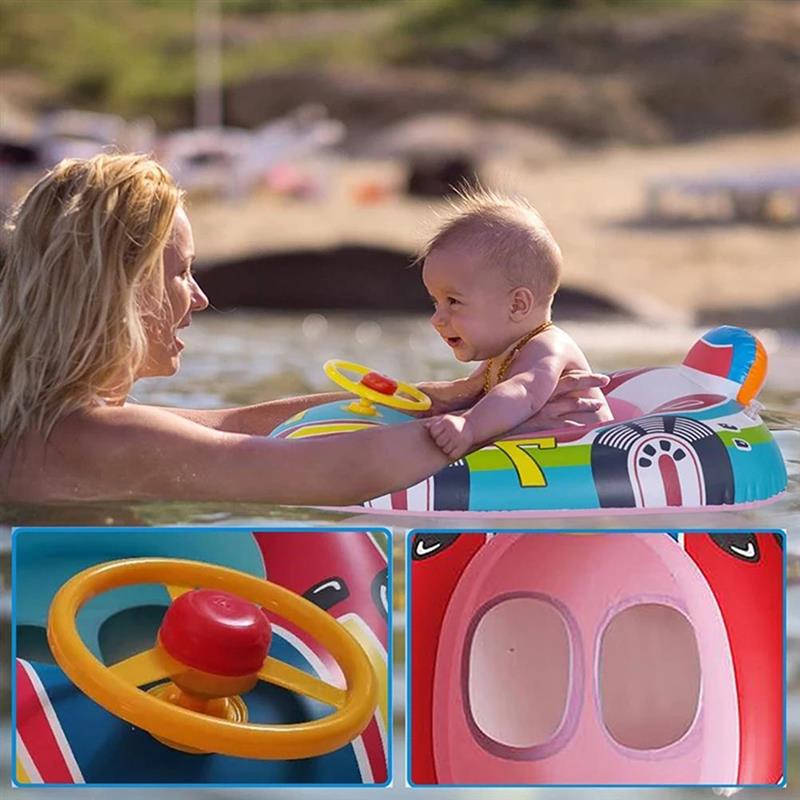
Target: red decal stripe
{"points": [[36, 732], [400, 500], [376, 754], [672, 483]]}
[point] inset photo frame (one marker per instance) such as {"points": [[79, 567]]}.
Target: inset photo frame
{"points": [[202, 656], [587, 657]]}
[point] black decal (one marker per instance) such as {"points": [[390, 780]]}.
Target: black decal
{"points": [[328, 593], [380, 591], [451, 488], [609, 457], [743, 546], [426, 545]]}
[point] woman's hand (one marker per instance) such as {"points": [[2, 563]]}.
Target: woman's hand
{"points": [[568, 406], [576, 382]]}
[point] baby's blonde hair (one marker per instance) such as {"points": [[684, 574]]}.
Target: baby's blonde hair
{"points": [[83, 269], [509, 233]]}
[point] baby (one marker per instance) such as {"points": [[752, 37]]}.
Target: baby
{"points": [[492, 271]]}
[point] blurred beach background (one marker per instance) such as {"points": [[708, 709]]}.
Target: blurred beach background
{"points": [[318, 141]]}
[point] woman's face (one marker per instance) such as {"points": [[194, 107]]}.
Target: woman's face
{"points": [[183, 296]]}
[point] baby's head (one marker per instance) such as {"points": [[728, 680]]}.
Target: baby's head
{"points": [[492, 270]]}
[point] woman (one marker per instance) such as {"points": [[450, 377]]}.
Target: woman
{"points": [[96, 286]]}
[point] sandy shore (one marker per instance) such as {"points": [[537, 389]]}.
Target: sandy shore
{"points": [[594, 203]]}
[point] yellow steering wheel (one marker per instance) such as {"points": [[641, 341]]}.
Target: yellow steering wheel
{"points": [[373, 387], [195, 713]]}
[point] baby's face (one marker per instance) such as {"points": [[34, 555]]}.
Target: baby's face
{"points": [[472, 303]]}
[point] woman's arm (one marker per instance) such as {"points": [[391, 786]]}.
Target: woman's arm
{"points": [[257, 419], [261, 418], [140, 452], [145, 453]]}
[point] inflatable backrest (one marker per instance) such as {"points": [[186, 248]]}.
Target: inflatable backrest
{"points": [[727, 363], [731, 354]]}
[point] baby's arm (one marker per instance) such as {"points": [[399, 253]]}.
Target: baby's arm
{"points": [[505, 407], [448, 396]]}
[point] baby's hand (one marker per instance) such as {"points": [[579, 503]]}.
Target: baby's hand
{"points": [[452, 435]]}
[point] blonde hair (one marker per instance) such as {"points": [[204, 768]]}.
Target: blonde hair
{"points": [[83, 271], [509, 233]]}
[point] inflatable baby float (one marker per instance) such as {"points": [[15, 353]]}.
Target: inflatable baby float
{"points": [[683, 437]]}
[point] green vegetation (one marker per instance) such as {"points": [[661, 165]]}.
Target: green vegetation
{"points": [[111, 55], [452, 22], [137, 56]]}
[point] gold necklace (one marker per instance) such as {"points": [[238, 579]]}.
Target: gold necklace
{"points": [[501, 373]]}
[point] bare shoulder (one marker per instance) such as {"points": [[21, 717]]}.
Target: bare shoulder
{"points": [[557, 345], [550, 349], [574, 357], [110, 433]]}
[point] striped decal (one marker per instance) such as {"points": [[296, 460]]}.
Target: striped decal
{"points": [[752, 384], [40, 732], [418, 497], [374, 735], [399, 500], [26, 769], [370, 644], [327, 428], [624, 435], [734, 354], [372, 741], [492, 458], [363, 745]]}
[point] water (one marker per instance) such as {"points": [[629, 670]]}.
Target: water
{"points": [[250, 356], [238, 358]]}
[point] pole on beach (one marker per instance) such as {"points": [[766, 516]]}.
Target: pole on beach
{"points": [[208, 109]]}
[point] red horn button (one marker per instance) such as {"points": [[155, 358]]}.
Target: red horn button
{"points": [[379, 383], [216, 632]]}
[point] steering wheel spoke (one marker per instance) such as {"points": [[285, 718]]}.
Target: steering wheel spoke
{"points": [[288, 677], [175, 592], [146, 667]]}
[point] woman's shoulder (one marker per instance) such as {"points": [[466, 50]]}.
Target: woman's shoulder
{"points": [[93, 430]]}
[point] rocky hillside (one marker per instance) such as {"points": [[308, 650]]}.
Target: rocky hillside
{"points": [[592, 71], [648, 75]]}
